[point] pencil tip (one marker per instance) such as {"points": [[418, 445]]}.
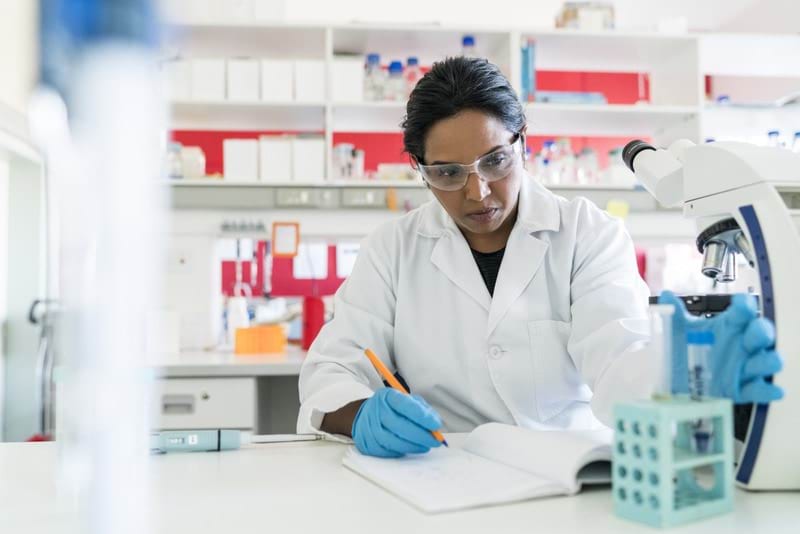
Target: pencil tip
{"points": [[444, 442]]}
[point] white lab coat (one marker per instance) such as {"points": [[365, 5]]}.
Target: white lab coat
{"points": [[556, 346]]}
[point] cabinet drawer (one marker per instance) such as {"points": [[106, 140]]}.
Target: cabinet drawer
{"points": [[197, 403]]}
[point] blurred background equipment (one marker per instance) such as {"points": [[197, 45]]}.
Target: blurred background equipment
{"points": [[94, 54]]}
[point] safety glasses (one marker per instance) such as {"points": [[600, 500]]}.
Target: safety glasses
{"points": [[491, 168]]}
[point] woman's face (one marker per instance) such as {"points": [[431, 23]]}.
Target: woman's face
{"points": [[481, 208]]}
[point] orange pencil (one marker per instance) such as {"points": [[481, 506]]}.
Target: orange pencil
{"points": [[389, 377]]}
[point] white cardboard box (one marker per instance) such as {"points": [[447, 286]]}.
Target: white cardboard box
{"points": [[240, 159], [347, 80], [275, 158], [277, 80], [208, 79], [177, 79], [309, 80], [243, 80], [308, 159]]}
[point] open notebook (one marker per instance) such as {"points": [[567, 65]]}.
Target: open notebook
{"points": [[497, 464]]}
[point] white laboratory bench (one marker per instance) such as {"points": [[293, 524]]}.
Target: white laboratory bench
{"points": [[196, 390], [302, 487], [219, 364]]}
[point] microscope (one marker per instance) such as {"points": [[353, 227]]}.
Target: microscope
{"points": [[746, 200]]}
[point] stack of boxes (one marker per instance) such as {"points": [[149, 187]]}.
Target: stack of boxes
{"points": [[274, 158], [270, 158], [245, 80]]}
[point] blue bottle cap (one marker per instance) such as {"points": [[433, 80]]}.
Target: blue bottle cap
{"points": [[395, 67], [373, 58], [468, 40], [723, 99], [412, 61], [709, 140], [549, 143], [797, 134], [702, 337], [773, 133]]}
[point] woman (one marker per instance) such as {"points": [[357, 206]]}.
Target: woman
{"points": [[498, 301]]}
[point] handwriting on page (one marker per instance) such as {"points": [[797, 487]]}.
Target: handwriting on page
{"points": [[447, 479]]}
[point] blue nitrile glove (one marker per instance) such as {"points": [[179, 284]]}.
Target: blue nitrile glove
{"points": [[742, 356], [391, 424]]}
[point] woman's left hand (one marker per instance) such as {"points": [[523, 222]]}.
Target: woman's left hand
{"points": [[743, 355]]}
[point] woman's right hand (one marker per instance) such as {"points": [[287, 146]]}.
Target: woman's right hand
{"points": [[391, 424]]}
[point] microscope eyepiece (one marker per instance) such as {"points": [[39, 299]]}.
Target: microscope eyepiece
{"points": [[632, 149]]}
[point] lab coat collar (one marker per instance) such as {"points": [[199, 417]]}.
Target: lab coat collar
{"points": [[537, 211], [525, 252]]}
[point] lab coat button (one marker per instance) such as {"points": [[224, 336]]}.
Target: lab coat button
{"points": [[495, 352]]}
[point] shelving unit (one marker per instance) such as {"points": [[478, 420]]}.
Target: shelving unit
{"points": [[670, 61], [675, 66]]}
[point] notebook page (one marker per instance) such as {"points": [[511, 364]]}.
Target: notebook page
{"points": [[447, 479], [556, 455]]}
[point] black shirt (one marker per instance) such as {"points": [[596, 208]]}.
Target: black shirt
{"points": [[489, 266]]}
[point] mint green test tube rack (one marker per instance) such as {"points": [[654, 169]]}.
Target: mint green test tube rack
{"points": [[658, 479]]}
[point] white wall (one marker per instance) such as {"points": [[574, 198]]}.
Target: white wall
{"points": [[18, 51], [4, 183], [24, 279], [767, 16]]}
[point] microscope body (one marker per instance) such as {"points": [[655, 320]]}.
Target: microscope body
{"points": [[738, 193]]}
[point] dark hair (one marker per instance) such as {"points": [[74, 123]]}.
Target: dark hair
{"points": [[454, 85]]}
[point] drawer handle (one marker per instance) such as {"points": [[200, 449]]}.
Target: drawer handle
{"points": [[177, 404]]}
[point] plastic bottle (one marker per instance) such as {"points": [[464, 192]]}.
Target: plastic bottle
{"points": [[796, 143], [358, 163], [373, 78], [547, 155], [587, 168], [774, 138], [568, 166], [468, 46], [396, 84], [699, 361], [412, 74], [543, 169], [174, 162]]}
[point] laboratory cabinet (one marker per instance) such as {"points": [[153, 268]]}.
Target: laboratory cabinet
{"points": [[260, 404], [205, 403]]}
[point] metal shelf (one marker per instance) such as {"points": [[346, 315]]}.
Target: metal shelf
{"points": [[362, 194], [216, 182]]}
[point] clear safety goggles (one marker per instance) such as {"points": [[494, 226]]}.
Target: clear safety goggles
{"points": [[491, 168]]}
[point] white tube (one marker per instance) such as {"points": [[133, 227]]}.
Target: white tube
{"points": [[112, 210]]}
